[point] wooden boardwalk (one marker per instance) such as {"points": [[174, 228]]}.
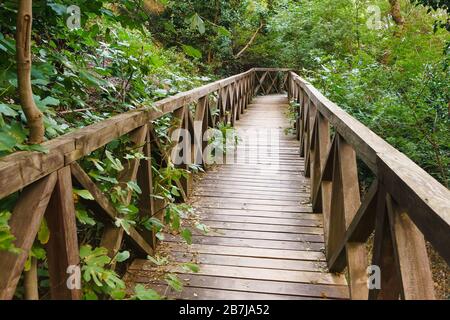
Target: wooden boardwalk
{"points": [[264, 241]]}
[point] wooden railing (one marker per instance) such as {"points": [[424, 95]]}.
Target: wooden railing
{"points": [[403, 205], [45, 186]]}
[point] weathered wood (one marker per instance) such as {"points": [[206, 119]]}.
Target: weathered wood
{"points": [[345, 202], [62, 248], [360, 228], [411, 255], [383, 254], [146, 202], [24, 223]]}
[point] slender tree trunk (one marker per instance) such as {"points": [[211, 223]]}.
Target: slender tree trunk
{"points": [[396, 13], [250, 41], [23, 46]]}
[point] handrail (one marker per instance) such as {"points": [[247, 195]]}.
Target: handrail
{"points": [[23, 168], [402, 199], [46, 179]]}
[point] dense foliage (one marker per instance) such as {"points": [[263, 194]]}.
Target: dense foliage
{"points": [[126, 54]]}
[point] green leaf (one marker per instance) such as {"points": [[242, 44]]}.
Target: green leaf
{"points": [[192, 52], [198, 23], [191, 267], [118, 294], [175, 283], [85, 194], [122, 256], [33, 147], [84, 218], [134, 187], [7, 111], [125, 224], [223, 32], [44, 232], [115, 163], [187, 236], [141, 293], [85, 251], [7, 143]]}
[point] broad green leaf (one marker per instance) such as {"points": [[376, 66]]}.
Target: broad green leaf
{"points": [[84, 218], [85, 194], [7, 142], [192, 52], [122, 256], [198, 23], [7, 111]]}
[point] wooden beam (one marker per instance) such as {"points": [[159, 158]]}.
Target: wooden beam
{"points": [[411, 255], [345, 202], [62, 248], [359, 230], [383, 255], [24, 223]]}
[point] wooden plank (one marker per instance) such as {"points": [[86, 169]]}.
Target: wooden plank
{"points": [[249, 225], [256, 207], [243, 201], [62, 248], [245, 195], [24, 223], [383, 254], [146, 203], [294, 237], [360, 228], [252, 243], [248, 252], [279, 215], [211, 294], [265, 274], [20, 169], [223, 260], [411, 253], [345, 201], [261, 286]]}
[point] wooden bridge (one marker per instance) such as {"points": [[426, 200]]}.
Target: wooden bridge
{"points": [[289, 224]]}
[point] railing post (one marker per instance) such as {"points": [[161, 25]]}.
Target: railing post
{"points": [[62, 247], [345, 202]]}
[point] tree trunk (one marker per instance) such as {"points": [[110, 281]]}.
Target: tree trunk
{"points": [[23, 46], [396, 13]]}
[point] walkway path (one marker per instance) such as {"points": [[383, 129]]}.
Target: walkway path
{"points": [[264, 242]]}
